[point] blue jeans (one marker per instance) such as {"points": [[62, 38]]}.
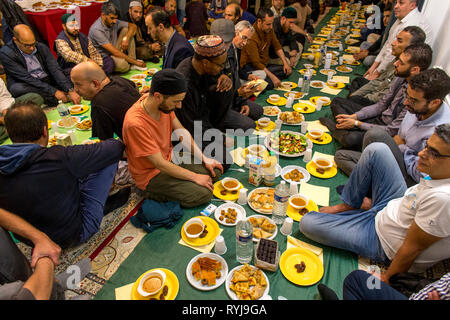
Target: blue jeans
{"points": [[376, 172], [360, 285], [94, 190]]}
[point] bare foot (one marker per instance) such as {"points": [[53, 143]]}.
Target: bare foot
{"points": [[336, 209], [367, 204]]}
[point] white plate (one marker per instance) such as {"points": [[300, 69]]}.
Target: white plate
{"points": [[251, 206], [271, 221], [231, 293], [197, 283], [137, 77], [76, 120], [317, 81], [295, 155], [290, 124], [349, 71], [326, 71], [306, 175], [67, 7], [271, 115], [241, 214]]}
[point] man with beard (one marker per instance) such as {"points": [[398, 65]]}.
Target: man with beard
{"points": [[208, 98], [388, 113], [110, 97], [367, 92], [114, 39], [146, 48], [407, 229], [282, 28], [73, 47], [233, 12], [161, 30], [147, 133], [171, 8], [255, 55], [426, 109]]}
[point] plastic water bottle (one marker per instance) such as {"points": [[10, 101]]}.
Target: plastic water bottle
{"points": [[244, 241], [281, 198], [328, 61], [305, 86], [64, 113]]}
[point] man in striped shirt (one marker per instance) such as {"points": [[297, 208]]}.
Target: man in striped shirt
{"points": [[73, 47]]}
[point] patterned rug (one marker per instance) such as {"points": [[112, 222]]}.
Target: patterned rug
{"points": [[114, 241]]}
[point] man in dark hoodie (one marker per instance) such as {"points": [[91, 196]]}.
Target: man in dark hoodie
{"points": [[59, 190]]}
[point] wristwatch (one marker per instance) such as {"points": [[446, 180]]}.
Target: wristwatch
{"points": [[356, 123]]}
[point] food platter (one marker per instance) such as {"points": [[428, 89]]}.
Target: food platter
{"points": [[288, 169], [195, 278], [261, 200], [260, 278], [288, 143], [239, 210]]}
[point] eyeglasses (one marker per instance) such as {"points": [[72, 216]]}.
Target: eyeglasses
{"points": [[244, 38], [433, 152], [31, 45], [412, 101]]}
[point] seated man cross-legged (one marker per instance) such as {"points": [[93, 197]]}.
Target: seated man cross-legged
{"points": [[59, 190], [147, 132], [426, 109], [409, 229]]}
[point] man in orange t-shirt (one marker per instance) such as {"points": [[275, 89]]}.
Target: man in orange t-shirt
{"points": [[147, 133]]}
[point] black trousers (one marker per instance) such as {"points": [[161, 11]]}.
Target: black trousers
{"points": [[357, 83], [352, 138]]}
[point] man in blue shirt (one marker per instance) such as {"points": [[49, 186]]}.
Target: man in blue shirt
{"points": [[426, 109], [61, 191]]}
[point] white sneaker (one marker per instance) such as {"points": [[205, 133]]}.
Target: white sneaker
{"points": [[135, 67]]}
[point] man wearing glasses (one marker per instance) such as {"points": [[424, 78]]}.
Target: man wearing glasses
{"points": [[425, 110], [31, 67], [407, 229], [73, 47], [243, 112]]}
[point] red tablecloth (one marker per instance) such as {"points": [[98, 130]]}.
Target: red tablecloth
{"points": [[49, 22]]}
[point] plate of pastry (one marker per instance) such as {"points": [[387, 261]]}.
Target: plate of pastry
{"points": [[263, 227], [207, 271], [261, 200], [247, 282]]}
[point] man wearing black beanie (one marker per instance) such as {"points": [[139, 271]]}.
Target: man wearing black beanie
{"points": [[147, 133]]}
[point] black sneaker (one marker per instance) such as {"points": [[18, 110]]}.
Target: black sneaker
{"points": [[326, 293], [117, 200]]}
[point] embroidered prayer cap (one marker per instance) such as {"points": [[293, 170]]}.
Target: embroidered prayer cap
{"points": [[209, 46]]}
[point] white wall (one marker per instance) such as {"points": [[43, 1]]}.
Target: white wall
{"points": [[437, 13]]}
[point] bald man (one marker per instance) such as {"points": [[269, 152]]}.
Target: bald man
{"points": [[31, 67], [110, 97]]}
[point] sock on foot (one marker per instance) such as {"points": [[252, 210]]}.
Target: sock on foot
{"points": [[326, 293]]}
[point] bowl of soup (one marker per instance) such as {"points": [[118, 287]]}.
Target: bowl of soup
{"points": [[323, 163], [256, 150], [194, 228], [332, 83], [230, 184], [298, 201], [263, 122], [324, 100], [274, 98], [316, 133], [286, 85], [151, 283]]}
